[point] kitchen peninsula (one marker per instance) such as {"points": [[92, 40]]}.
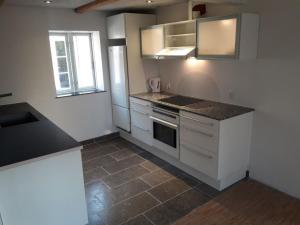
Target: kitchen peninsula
{"points": [[41, 176]]}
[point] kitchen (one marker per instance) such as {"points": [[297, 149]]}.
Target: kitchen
{"points": [[215, 121]]}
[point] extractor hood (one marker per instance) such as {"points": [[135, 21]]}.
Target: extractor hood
{"points": [[176, 52]]}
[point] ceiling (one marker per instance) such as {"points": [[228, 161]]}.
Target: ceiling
{"points": [[122, 4]]}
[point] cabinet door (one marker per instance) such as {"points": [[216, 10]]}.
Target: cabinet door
{"points": [[152, 39], [218, 37], [116, 27]]}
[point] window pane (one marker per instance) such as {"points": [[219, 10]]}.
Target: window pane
{"points": [[64, 80], [62, 65], [60, 48], [60, 61], [83, 61]]}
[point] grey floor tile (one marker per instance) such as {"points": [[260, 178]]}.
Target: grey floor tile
{"points": [[97, 162], [169, 189], [98, 150], [150, 165], [176, 208], [188, 179], [98, 198], [94, 175], [128, 190], [140, 220], [123, 154], [130, 208], [157, 177], [123, 164], [125, 176], [208, 190], [122, 143]]}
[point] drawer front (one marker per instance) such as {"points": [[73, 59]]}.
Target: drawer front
{"points": [[199, 134], [199, 137], [199, 159], [140, 120], [201, 121], [140, 105], [141, 135]]}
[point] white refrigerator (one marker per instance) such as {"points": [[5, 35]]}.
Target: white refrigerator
{"points": [[119, 86]]}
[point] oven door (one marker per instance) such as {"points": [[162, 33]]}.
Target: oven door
{"points": [[165, 136]]}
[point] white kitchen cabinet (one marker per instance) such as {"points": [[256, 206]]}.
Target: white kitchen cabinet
{"points": [[128, 25], [152, 40], [116, 27], [228, 37], [218, 149], [141, 128]]}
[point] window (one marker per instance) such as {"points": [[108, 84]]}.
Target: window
{"points": [[77, 62]]}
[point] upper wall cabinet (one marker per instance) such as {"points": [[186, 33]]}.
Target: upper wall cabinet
{"points": [[152, 40], [228, 37], [116, 27], [170, 40]]}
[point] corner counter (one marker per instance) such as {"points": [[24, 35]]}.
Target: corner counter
{"points": [[41, 175]]}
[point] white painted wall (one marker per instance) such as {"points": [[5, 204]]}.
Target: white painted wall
{"points": [[26, 68], [270, 85]]}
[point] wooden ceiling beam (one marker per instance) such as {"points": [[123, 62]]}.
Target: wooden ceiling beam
{"points": [[93, 5]]}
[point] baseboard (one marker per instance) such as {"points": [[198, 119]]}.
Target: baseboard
{"points": [[100, 139]]}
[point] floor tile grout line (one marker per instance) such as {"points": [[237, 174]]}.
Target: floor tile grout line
{"points": [[109, 174], [153, 196], [147, 218]]}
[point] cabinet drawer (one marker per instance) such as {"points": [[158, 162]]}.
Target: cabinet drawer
{"points": [[141, 134], [140, 105], [140, 120], [199, 137], [200, 121], [199, 159]]}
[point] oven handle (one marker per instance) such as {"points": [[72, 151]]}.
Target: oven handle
{"points": [[171, 125]]}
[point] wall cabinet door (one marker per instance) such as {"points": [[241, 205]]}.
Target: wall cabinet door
{"points": [[116, 27], [228, 37], [152, 39], [218, 37]]}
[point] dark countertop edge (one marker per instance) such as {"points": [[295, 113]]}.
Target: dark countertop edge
{"points": [[247, 109], [71, 142], [39, 158]]}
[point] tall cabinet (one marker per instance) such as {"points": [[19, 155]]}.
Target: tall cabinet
{"points": [[124, 30]]}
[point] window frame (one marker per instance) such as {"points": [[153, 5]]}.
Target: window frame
{"points": [[71, 63]]}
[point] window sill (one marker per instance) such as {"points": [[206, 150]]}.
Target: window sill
{"points": [[79, 93]]}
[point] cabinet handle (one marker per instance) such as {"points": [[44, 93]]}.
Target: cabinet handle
{"points": [[206, 124], [141, 128], [146, 114], [198, 131], [196, 152]]}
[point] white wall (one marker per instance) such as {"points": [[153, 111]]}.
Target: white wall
{"points": [[26, 68], [270, 85]]}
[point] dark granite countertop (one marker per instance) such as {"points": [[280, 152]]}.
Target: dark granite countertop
{"points": [[210, 109], [30, 140]]}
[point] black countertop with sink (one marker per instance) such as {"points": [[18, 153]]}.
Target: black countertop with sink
{"points": [[26, 134], [214, 110]]}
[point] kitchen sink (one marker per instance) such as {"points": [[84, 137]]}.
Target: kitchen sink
{"points": [[16, 119]]}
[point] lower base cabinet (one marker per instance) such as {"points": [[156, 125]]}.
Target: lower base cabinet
{"points": [[218, 149], [141, 128]]}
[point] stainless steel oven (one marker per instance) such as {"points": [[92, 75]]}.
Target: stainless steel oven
{"points": [[165, 122]]}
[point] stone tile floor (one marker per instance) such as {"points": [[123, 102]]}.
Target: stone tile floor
{"points": [[126, 185]]}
